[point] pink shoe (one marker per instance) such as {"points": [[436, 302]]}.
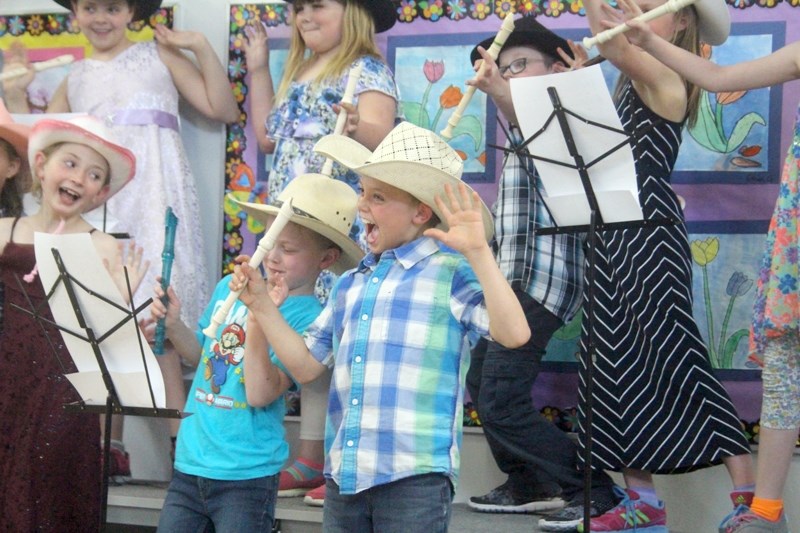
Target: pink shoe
{"points": [[630, 515], [294, 481], [316, 497]]}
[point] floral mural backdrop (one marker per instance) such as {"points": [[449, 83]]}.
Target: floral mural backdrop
{"points": [[728, 170]]}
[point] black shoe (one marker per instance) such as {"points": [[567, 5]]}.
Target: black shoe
{"points": [[502, 500], [568, 518]]}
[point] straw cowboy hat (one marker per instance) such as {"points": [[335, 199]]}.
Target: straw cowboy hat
{"points": [[383, 12], [91, 132], [528, 32], [324, 205], [17, 136], [142, 9], [410, 158]]}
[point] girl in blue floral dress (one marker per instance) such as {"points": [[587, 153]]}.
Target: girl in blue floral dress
{"points": [[329, 37]]}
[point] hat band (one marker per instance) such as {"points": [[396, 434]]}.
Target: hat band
{"points": [[296, 210]]}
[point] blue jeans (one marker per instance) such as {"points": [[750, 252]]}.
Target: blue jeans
{"points": [[416, 503], [196, 504]]}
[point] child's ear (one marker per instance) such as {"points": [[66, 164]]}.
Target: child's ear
{"points": [[101, 197], [330, 256], [37, 168], [423, 215]]}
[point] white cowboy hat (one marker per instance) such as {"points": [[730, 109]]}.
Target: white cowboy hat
{"points": [[325, 206], [88, 131], [713, 21], [413, 159]]}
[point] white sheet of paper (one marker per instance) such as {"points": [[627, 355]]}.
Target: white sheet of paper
{"points": [[613, 179], [120, 350]]}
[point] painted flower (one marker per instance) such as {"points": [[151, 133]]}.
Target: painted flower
{"points": [[457, 9], [553, 8], [16, 26], [433, 70], [236, 68], [3, 26], [53, 24], [35, 25], [743, 4], [705, 251], [729, 97], [576, 7], [503, 7], [233, 242], [480, 9], [159, 17], [767, 3], [450, 97], [738, 284], [527, 7], [407, 10], [432, 9], [239, 91]]}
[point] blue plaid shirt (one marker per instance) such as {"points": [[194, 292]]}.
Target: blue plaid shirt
{"points": [[547, 267], [394, 331]]}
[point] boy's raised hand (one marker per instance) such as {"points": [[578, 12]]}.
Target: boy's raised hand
{"points": [[253, 287], [490, 81], [463, 213]]}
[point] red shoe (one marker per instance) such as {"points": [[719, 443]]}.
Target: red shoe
{"points": [[630, 515], [316, 497], [119, 466], [294, 481]]}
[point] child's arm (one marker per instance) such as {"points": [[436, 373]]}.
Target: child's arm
{"points": [[493, 84], [781, 66], [661, 88], [16, 89], [285, 341], [205, 87], [182, 338], [374, 118], [263, 381], [507, 322], [261, 95]]}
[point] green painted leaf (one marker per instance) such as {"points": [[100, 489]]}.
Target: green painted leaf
{"points": [[730, 347], [470, 125], [742, 128], [416, 114], [705, 130]]}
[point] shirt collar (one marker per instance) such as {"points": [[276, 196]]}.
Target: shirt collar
{"points": [[408, 255]]}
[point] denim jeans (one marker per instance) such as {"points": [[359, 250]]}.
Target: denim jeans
{"points": [[416, 503], [196, 504], [538, 457]]}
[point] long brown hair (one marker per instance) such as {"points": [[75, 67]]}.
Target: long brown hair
{"points": [[12, 191], [358, 39], [688, 39]]}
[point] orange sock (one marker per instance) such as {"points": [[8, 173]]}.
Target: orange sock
{"points": [[769, 509]]}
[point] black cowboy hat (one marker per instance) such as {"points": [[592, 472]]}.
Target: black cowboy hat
{"points": [[528, 32], [383, 12], [142, 9]]}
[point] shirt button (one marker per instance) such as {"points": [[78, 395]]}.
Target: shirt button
{"points": [[355, 401], [375, 280], [365, 317], [350, 443], [358, 359]]}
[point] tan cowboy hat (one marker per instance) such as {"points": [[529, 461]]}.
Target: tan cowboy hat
{"points": [[142, 9], [325, 206], [713, 21], [410, 158], [17, 136], [88, 131]]}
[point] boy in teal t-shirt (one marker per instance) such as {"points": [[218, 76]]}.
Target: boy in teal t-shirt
{"points": [[231, 449]]}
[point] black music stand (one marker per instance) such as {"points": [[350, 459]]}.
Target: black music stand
{"points": [[591, 229], [113, 405]]}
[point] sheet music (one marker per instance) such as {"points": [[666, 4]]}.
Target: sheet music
{"points": [[121, 350], [613, 179]]}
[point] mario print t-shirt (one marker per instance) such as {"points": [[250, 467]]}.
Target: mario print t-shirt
{"points": [[225, 438]]}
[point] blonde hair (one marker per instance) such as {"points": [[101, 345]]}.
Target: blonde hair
{"points": [[358, 39], [689, 40]]}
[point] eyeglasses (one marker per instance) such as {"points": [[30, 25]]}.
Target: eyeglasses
{"points": [[518, 65]]}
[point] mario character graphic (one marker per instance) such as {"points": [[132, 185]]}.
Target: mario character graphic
{"points": [[228, 350]]}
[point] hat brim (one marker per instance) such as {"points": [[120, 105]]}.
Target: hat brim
{"points": [[546, 42], [383, 13], [142, 10], [351, 253], [714, 21], [421, 181], [121, 161]]}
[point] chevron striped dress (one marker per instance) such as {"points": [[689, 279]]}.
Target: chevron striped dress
{"points": [[657, 405]]}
